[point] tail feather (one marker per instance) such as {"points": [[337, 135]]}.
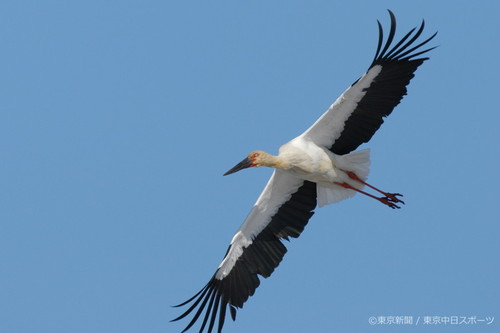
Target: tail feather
{"points": [[359, 163]]}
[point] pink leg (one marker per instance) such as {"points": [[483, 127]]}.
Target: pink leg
{"points": [[390, 199], [385, 200]]}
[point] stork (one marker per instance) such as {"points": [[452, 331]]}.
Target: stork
{"points": [[318, 167]]}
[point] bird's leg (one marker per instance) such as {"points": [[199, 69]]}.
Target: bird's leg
{"points": [[385, 200], [393, 197]]}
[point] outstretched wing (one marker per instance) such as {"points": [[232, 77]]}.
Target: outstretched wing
{"points": [[282, 211], [358, 113]]}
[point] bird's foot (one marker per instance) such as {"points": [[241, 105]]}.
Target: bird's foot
{"points": [[393, 197], [389, 202]]}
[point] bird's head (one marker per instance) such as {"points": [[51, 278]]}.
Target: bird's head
{"points": [[254, 159]]}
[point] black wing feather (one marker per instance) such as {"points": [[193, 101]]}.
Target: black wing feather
{"points": [[387, 89], [259, 258]]}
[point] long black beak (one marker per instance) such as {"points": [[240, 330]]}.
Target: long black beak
{"points": [[246, 163]]}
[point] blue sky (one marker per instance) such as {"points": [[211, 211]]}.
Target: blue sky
{"points": [[118, 118]]}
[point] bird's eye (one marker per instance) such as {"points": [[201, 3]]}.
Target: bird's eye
{"points": [[255, 155]]}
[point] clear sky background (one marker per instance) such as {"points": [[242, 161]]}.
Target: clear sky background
{"points": [[118, 118]]}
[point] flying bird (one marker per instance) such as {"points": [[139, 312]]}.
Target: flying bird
{"points": [[318, 167]]}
